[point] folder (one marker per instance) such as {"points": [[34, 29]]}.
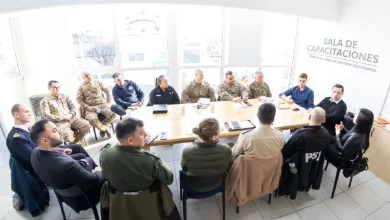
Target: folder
{"points": [[240, 125], [160, 109]]}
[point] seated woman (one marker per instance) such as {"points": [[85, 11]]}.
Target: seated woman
{"points": [[163, 93], [206, 157], [354, 141]]}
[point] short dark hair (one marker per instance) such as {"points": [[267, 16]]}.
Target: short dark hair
{"points": [[15, 108], [303, 75], [37, 130], [115, 75], [228, 73], [50, 82], [339, 86], [364, 122], [266, 113], [127, 127]]}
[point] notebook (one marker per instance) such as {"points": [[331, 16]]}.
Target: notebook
{"points": [[160, 109], [239, 125]]}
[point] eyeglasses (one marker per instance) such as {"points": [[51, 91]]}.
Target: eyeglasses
{"points": [[56, 87]]}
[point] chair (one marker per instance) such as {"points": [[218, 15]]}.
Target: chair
{"points": [[186, 192], [100, 117], [74, 191], [345, 163]]}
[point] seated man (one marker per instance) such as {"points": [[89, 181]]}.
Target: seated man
{"points": [[304, 153], [263, 142], [59, 109], [301, 94], [196, 89], [90, 96], [258, 87], [129, 168], [335, 109], [59, 170], [126, 94], [231, 90]]}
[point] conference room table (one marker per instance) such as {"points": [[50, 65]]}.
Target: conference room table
{"points": [[181, 118]]}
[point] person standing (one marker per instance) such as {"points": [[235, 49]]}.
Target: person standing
{"points": [[126, 94], [94, 97], [258, 87], [198, 88], [59, 109], [300, 94], [163, 93], [335, 109], [231, 90]]}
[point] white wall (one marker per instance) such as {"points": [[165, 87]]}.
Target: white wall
{"points": [[323, 9], [362, 22]]}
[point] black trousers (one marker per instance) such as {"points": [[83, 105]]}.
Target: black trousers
{"points": [[118, 109], [332, 154]]}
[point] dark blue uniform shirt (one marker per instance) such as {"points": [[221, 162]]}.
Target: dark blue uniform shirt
{"points": [[158, 96], [127, 95], [303, 98]]}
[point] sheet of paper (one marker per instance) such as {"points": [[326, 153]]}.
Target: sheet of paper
{"points": [[245, 124], [204, 101]]}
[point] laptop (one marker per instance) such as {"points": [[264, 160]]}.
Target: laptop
{"points": [[160, 109]]}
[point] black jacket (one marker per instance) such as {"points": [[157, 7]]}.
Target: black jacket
{"points": [[304, 149], [60, 171], [334, 113], [157, 96], [351, 144]]}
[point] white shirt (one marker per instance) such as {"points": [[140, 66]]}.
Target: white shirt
{"points": [[24, 127], [337, 102]]}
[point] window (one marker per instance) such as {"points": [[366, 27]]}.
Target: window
{"points": [[91, 31], [143, 41], [200, 35], [8, 63]]}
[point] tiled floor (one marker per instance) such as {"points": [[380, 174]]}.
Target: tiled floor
{"points": [[368, 198]]}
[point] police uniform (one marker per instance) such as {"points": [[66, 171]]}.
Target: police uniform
{"points": [[130, 169], [55, 108], [20, 146], [263, 142], [257, 90], [228, 92], [193, 91], [95, 94], [158, 97]]}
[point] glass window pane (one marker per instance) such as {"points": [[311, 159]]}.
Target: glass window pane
{"points": [[8, 64], [92, 35], [143, 40], [211, 75], [200, 34]]}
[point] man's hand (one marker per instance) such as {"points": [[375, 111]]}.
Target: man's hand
{"points": [[91, 109], [245, 99], [136, 104], [104, 105], [289, 101], [68, 151], [237, 99], [84, 162], [97, 169], [339, 127]]}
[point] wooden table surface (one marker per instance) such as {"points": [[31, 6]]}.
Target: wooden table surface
{"points": [[181, 118]]}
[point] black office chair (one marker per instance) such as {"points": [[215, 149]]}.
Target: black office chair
{"points": [[74, 191], [186, 192], [101, 118]]}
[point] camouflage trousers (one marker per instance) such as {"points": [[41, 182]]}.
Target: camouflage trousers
{"points": [[74, 131], [102, 124]]}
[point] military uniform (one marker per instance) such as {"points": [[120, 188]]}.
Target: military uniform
{"points": [[55, 108], [193, 91], [228, 92], [130, 169], [264, 142], [95, 94], [257, 90]]}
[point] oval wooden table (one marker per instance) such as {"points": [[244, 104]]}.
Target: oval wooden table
{"points": [[181, 118]]}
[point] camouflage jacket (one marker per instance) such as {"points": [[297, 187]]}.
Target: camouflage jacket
{"points": [[256, 90], [55, 108], [193, 91], [227, 92], [93, 94]]}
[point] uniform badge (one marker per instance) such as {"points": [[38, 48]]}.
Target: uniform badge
{"points": [[130, 88], [16, 135]]}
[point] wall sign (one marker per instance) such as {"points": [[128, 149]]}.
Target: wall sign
{"points": [[344, 52]]}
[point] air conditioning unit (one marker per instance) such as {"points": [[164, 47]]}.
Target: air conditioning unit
{"points": [[35, 103]]}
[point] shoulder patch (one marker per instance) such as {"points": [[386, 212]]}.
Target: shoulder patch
{"points": [[16, 135]]}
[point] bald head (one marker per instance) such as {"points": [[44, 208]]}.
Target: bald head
{"points": [[86, 77], [199, 76], [317, 116], [259, 78], [21, 114]]}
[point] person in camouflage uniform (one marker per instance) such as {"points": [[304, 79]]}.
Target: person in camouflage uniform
{"points": [[258, 87], [231, 90], [197, 89], [59, 109], [95, 99]]}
